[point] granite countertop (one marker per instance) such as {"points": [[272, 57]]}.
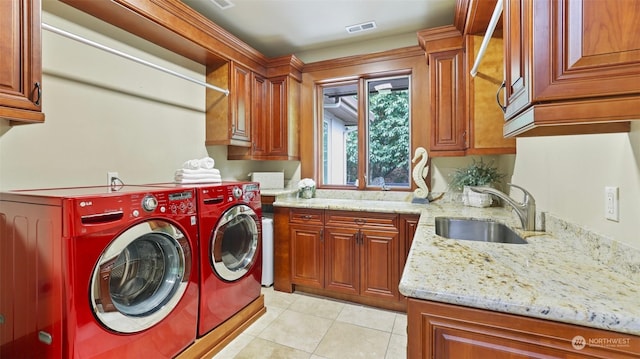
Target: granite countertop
{"points": [[277, 191], [566, 276]]}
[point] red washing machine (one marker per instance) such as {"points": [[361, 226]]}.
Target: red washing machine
{"points": [[230, 236], [96, 273]]}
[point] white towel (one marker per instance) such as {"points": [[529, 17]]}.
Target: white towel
{"points": [[186, 181], [209, 179], [199, 171], [206, 163], [196, 176], [191, 164]]}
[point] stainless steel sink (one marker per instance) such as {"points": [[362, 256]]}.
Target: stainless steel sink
{"points": [[476, 230]]}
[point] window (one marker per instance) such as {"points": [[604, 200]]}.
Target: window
{"points": [[371, 151]]}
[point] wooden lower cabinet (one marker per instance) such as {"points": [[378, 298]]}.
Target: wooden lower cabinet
{"points": [[363, 262], [379, 263], [307, 255], [439, 330], [342, 260], [348, 255]]}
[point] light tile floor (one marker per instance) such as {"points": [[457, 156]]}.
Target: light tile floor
{"points": [[298, 325]]}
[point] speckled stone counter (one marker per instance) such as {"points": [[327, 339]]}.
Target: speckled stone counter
{"points": [[278, 191], [567, 274]]}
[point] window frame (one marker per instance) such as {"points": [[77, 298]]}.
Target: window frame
{"points": [[363, 130]]}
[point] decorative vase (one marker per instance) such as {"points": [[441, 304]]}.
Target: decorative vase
{"points": [[475, 199], [307, 192]]}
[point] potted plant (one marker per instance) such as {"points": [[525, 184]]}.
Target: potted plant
{"points": [[478, 173]]}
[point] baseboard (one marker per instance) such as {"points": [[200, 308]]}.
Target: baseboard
{"points": [[214, 341]]}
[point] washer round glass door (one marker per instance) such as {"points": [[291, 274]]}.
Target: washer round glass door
{"points": [[234, 243], [141, 276]]}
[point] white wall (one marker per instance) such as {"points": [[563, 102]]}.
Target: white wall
{"points": [[106, 113], [567, 176]]}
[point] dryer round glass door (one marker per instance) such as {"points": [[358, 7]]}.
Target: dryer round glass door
{"points": [[234, 243], [141, 276]]}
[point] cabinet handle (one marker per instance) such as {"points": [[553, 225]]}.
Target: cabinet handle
{"points": [[360, 221], [322, 235], [39, 93], [504, 108], [306, 217]]}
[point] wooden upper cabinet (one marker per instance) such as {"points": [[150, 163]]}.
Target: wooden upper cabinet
{"points": [[448, 119], [276, 126], [259, 114], [465, 118], [228, 119], [444, 49], [21, 61], [572, 68], [486, 118], [275, 121], [241, 104]]}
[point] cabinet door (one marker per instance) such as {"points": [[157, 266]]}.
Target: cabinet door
{"points": [[260, 115], [307, 255], [21, 61], [516, 66], [379, 272], [342, 260], [448, 120], [241, 103], [585, 48], [408, 227], [569, 50], [439, 330], [278, 120]]}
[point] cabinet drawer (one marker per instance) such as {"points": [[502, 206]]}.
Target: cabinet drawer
{"points": [[361, 219], [307, 216]]}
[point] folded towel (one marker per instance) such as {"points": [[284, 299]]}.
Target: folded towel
{"points": [[195, 176], [199, 171], [204, 180], [206, 163], [191, 164], [198, 179]]}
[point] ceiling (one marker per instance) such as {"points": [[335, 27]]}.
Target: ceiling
{"points": [[282, 27]]}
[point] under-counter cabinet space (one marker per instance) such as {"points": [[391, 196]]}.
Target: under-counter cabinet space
{"points": [[21, 61], [571, 67], [356, 256], [443, 331]]}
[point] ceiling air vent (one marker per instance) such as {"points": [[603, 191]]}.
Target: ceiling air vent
{"points": [[361, 27], [223, 4]]}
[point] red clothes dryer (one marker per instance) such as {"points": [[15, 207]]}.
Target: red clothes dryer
{"points": [[97, 273], [230, 228], [230, 237]]}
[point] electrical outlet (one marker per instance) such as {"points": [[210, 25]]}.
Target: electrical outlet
{"points": [[611, 203], [111, 178]]}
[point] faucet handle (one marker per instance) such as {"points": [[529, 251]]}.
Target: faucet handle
{"points": [[528, 197]]}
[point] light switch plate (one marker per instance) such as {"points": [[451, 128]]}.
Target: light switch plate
{"points": [[611, 197]]}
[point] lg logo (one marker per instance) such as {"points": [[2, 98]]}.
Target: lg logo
{"points": [[86, 203]]}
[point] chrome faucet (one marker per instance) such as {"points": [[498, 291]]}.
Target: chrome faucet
{"points": [[526, 210]]}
